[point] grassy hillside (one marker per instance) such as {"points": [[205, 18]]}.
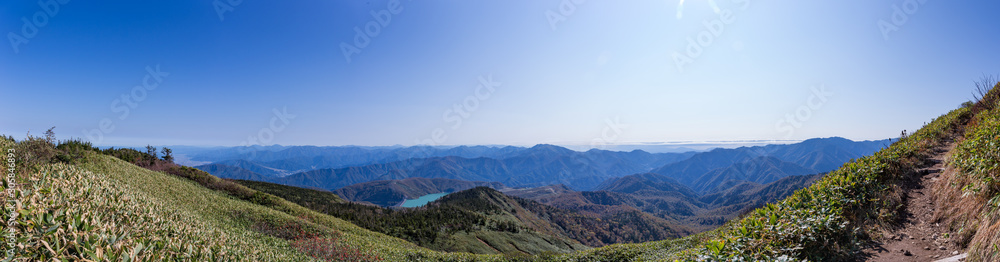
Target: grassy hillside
{"points": [[72, 202], [833, 218], [69, 212], [87, 205], [310, 198], [193, 216], [971, 196], [460, 222], [836, 216], [233, 172], [483, 220]]}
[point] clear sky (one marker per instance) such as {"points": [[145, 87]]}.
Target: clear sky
{"points": [[233, 72]]}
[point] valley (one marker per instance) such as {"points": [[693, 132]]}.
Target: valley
{"points": [[541, 165], [500, 131], [483, 220], [548, 193], [715, 205]]}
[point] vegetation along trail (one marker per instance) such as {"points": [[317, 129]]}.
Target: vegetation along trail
{"points": [[921, 236]]}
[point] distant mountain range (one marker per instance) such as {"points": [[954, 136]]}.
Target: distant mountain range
{"points": [[332, 168], [611, 192], [519, 167], [704, 172], [296, 159]]}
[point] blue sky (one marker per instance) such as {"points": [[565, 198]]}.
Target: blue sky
{"points": [[563, 72]]}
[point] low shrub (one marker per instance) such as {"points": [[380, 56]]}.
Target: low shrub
{"points": [[330, 249]]}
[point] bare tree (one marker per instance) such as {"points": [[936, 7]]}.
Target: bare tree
{"points": [[50, 136], [151, 151], [983, 98]]}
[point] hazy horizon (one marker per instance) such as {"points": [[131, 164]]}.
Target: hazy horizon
{"points": [[652, 147]]}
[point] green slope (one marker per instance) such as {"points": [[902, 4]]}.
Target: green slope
{"points": [[483, 220], [833, 218], [103, 208], [969, 197], [195, 223]]}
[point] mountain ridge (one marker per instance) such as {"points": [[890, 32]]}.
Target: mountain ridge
{"points": [[547, 164]]}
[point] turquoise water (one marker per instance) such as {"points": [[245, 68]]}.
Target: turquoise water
{"points": [[421, 201]]}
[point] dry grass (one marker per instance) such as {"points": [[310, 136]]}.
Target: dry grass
{"points": [[968, 197], [956, 209]]}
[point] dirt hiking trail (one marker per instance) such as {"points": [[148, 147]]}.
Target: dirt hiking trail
{"points": [[920, 238]]}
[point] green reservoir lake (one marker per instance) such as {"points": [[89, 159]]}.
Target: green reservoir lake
{"points": [[421, 201]]}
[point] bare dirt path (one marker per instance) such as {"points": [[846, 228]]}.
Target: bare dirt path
{"points": [[919, 238]]}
